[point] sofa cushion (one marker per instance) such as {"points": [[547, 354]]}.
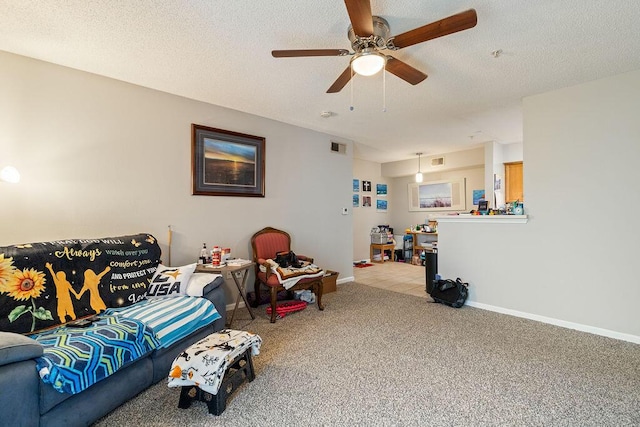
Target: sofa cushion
{"points": [[15, 348], [170, 281]]}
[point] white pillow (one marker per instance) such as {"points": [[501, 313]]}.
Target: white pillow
{"points": [[198, 282], [170, 281]]}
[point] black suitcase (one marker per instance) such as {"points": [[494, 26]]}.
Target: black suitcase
{"points": [[449, 292]]}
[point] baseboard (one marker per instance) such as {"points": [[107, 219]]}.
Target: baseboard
{"points": [[562, 323], [345, 280], [557, 322], [229, 307]]}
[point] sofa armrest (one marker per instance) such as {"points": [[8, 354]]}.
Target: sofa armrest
{"points": [[16, 348], [215, 293]]}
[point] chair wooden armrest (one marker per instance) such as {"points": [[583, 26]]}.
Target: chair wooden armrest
{"points": [[305, 258], [263, 262]]}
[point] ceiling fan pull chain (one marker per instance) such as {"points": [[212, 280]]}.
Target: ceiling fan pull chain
{"points": [[351, 86], [384, 87]]}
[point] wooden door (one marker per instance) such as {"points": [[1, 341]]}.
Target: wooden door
{"points": [[513, 182]]}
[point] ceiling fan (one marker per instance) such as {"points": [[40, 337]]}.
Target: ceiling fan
{"points": [[369, 35]]}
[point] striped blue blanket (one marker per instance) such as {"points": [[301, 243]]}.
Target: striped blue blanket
{"points": [[76, 358], [171, 318]]}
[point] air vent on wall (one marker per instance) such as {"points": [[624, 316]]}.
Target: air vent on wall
{"points": [[437, 161], [337, 147]]}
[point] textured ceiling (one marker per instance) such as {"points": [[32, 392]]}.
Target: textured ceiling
{"points": [[220, 52]]}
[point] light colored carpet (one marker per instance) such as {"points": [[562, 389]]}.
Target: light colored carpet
{"points": [[380, 358]]}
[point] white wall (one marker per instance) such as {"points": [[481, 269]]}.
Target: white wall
{"points": [[512, 152], [575, 262], [365, 218], [100, 157]]}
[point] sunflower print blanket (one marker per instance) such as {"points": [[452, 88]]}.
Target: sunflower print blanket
{"points": [[76, 358]]}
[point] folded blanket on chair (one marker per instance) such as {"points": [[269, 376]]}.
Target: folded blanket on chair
{"points": [[289, 276]]}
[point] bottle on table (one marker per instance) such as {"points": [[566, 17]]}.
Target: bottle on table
{"points": [[203, 254], [215, 256]]}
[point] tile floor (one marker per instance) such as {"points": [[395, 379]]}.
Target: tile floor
{"points": [[393, 276]]}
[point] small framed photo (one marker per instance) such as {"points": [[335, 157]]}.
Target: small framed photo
{"points": [[366, 186], [226, 163]]}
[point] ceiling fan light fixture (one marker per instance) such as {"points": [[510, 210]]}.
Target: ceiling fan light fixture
{"points": [[368, 62]]}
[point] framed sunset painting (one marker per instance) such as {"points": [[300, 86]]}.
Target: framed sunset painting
{"points": [[226, 163]]}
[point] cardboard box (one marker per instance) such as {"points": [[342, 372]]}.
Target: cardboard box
{"points": [[329, 281]]}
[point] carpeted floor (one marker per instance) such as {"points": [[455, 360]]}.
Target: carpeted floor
{"points": [[380, 358]]}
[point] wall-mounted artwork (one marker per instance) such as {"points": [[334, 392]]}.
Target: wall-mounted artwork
{"points": [[477, 196], [381, 189], [356, 185], [437, 196], [381, 205], [226, 163], [366, 186], [366, 201], [356, 200]]}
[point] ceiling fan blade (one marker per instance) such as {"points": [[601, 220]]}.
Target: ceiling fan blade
{"points": [[405, 71], [308, 52], [360, 16], [341, 81], [443, 27]]}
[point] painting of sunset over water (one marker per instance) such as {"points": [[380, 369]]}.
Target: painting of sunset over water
{"points": [[229, 164]]}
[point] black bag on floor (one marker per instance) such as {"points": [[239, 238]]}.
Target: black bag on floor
{"points": [[449, 292]]}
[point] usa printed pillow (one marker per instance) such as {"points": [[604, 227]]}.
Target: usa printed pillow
{"points": [[170, 281]]}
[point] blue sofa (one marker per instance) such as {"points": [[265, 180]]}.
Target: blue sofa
{"points": [[25, 400]]}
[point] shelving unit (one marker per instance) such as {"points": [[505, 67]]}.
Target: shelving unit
{"points": [[427, 242]]}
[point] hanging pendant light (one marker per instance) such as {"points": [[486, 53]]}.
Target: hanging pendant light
{"points": [[419, 174]]}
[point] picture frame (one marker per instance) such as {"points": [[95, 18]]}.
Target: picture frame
{"points": [[381, 190], [432, 196], [226, 163], [356, 200], [366, 186], [477, 196], [381, 205], [356, 185]]}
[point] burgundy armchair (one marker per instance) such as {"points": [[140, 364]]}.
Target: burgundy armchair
{"points": [[266, 243]]}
